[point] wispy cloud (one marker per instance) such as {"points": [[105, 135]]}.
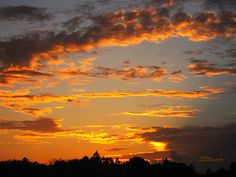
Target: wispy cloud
{"points": [[204, 68], [204, 92], [155, 73], [168, 112], [177, 76], [22, 101], [41, 130], [25, 102]]}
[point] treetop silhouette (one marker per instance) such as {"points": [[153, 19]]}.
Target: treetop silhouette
{"points": [[97, 166]]}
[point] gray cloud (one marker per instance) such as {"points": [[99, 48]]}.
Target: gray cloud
{"points": [[122, 27], [192, 143], [43, 125], [24, 13], [231, 53], [193, 52], [74, 23], [220, 4]]}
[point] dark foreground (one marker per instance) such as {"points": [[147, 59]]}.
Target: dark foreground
{"points": [[97, 166]]}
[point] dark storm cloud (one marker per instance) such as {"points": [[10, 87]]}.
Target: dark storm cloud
{"points": [[192, 143], [23, 13], [22, 50], [203, 67], [18, 51], [44, 125], [220, 4], [73, 23]]}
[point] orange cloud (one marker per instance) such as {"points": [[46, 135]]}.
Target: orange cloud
{"points": [[14, 74], [177, 76], [122, 28], [42, 129], [168, 112], [37, 112], [204, 68], [86, 64], [22, 101], [205, 92], [96, 137], [126, 73], [7, 80], [55, 61]]}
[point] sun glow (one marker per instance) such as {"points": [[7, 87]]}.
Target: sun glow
{"points": [[159, 146]]}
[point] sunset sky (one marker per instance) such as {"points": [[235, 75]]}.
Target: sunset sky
{"points": [[149, 78]]}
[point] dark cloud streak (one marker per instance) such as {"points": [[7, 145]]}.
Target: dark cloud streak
{"points": [[43, 125], [24, 13]]}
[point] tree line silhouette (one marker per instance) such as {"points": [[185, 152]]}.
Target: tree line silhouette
{"points": [[97, 166]]}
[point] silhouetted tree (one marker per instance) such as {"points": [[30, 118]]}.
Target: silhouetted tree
{"points": [[98, 166]]}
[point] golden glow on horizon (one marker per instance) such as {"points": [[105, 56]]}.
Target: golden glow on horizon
{"points": [[159, 146]]}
